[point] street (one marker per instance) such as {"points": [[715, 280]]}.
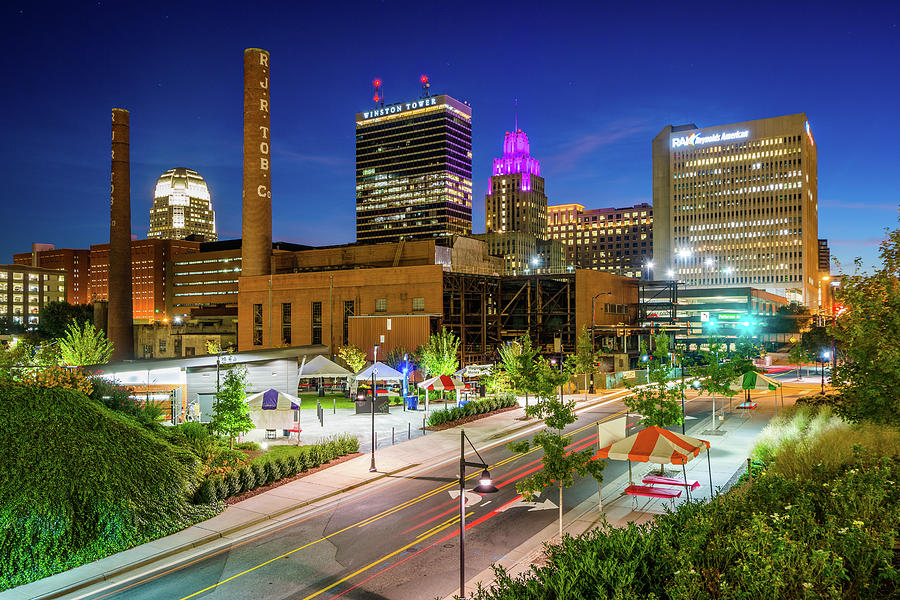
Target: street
{"points": [[398, 541]]}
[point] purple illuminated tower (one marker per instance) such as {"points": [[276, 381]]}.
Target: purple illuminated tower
{"points": [[516, 211], [516, 199]]}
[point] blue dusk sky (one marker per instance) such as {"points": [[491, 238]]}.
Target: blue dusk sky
{"points": [[595, 82]]}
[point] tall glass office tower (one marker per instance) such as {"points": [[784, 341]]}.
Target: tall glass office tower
{"points": [[414, 170], [737, 206]]}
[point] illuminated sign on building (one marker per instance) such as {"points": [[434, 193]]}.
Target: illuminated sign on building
{"points": [[698, 139], [399, 108], [730, 316]]}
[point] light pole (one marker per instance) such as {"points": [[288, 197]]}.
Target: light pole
{"points": [[649, 265], [825, 356], [681, 360], [593, 326], [374, 395], [485, 486]]}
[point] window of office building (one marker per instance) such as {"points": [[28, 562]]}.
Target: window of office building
{"points": [[349, 309], [316, 322], [257, 324], [286, 322]]}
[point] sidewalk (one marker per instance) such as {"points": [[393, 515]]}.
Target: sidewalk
{"points": [[274, 508], [728, 456]]}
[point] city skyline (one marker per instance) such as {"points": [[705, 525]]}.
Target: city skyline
{"points": [[596, 144]]}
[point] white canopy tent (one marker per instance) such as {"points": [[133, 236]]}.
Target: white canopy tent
{"points": [[382, 373], [273, 413], [321, 366]]}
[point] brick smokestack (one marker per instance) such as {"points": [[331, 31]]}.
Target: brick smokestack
{"points": [[256, 249], [120, 319]]}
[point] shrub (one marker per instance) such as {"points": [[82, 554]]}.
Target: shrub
{"points": [[233, 481], [206, 492], [221, 487], [283, 467], [272, 472], [114, 396], [80, 482], [247, 446], [259, 474], [314, 456], [247, 478]]}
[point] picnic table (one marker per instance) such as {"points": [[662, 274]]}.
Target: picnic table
{"points": [[652, 492], [658, 480]]}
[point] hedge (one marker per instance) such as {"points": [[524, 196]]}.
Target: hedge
{"points": [[79, 481], [278, 463], [823, 530], [475, 407]]}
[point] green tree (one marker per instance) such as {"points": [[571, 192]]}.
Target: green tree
{"points": [[800, 355], [232, 413], [718, 373], [817, 340], [497, 382], [354, 357], [55, 317], [790, 318], [83, 344], [440, 355], [745, 352], [867, 334], [519, 360], [559, 466], [659, 401], [585, 359]]}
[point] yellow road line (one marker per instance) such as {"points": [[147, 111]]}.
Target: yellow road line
{"points": [[384, 514], [449, 521]]}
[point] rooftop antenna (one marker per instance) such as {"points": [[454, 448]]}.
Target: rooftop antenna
{"points": [[425, 85], [377, 95], [516, 110]]}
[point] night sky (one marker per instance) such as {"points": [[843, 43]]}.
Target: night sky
{"points": [[595, 84]]}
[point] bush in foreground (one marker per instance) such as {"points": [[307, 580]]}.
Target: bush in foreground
{"points": [[79, 482]]}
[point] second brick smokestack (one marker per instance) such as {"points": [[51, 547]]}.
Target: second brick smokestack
{"points": [[256, 248], [120, 320]]}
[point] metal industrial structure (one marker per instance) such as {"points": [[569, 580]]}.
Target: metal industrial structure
{"points": [[486, 311]]}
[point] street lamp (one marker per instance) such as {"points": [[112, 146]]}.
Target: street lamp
{"points": [[374, 395], [825, 356], [593, 326], [670, 274], [485, 486], [649, 265]]}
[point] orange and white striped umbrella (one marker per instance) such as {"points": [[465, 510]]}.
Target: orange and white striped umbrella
{"points": [[655, 445]]}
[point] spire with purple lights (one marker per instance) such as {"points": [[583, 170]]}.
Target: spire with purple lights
{"points": [[517, 158]]}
